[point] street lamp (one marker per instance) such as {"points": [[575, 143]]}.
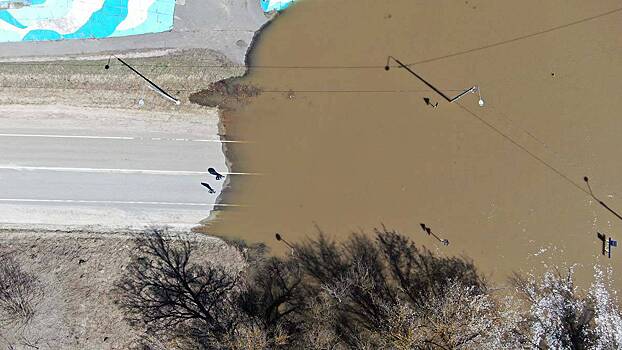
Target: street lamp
{"points": [[281, 239]]}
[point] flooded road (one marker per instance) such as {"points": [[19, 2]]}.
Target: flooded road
{"points": [[345, 146]]}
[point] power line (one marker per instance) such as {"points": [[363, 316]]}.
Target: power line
{"points": [[524, 149], [351, 91], [482, 120], [542, 161], [428, 60], [522, 37], [199, 89], [512, 125]]}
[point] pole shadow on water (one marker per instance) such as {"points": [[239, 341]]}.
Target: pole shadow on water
{"points": [[587, 181], [428, 230], [428, 102], [153, 86], [281, 239], [472, 89]]}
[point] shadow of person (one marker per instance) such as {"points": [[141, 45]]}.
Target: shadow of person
{"points": [[209, 188], [215, 173]]}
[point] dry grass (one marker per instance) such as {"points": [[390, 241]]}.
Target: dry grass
{"points": [[87, 83], [77, 273]]}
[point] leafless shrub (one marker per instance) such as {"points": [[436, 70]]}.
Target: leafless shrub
{"points": [[19, 292], [558, 316], [461, 318], [607, 313], [273, 296], [558, 313], [369, 279], [320, 324], [254, 337]]}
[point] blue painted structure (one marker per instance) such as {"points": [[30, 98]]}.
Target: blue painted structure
{"points": [[275, 5], [43, 20]]}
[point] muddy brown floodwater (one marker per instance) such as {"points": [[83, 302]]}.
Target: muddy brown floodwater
{"points": [[346, 146]]}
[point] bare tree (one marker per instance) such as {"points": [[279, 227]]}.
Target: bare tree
{"points": [[164, 290]]}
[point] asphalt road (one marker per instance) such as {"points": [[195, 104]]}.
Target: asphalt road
{"points": [[106, 168]]}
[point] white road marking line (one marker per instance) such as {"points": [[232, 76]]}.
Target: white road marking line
{"points": [[115, 171], [223, 141], [115, 138], [77, 201], [99, 170], [69, 136], [254, 174]]}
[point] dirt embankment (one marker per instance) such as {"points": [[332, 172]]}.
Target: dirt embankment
{"points": [[224, 94]]}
